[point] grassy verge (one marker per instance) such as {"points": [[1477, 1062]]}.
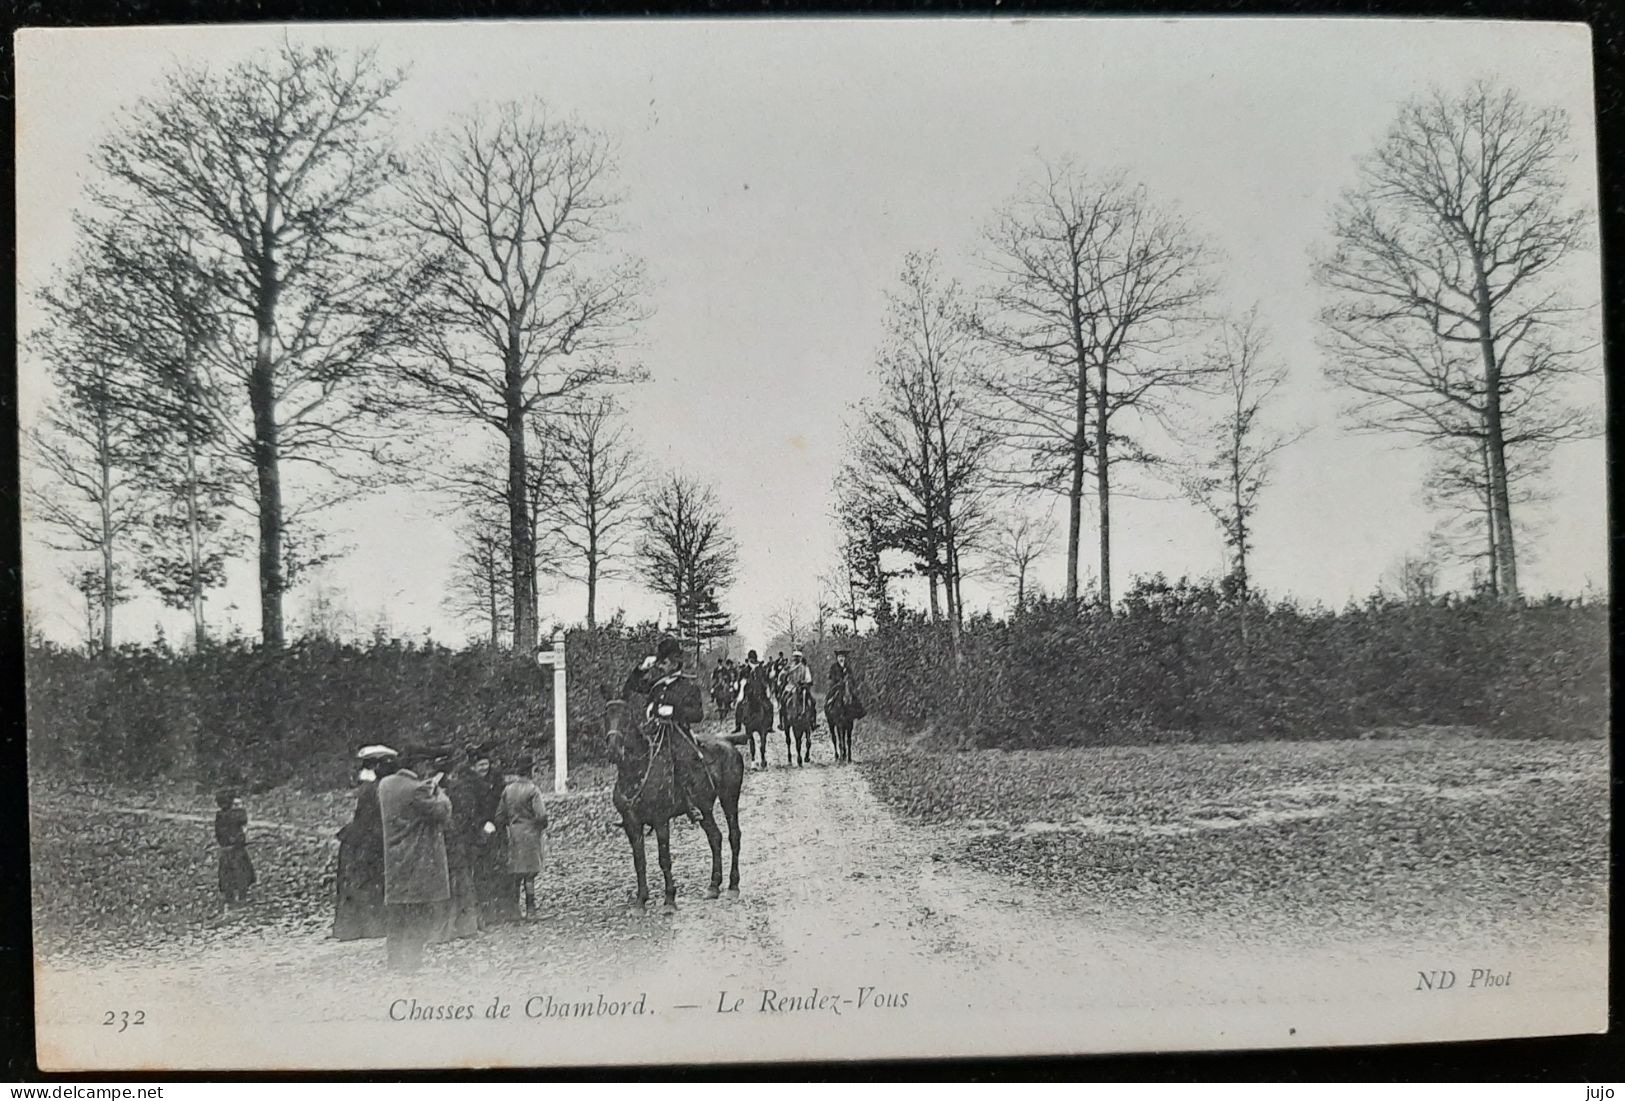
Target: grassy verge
{"points": [[1425, 834]]}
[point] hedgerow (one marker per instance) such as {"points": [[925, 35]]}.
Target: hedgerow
{"points": [[1182, 661]]}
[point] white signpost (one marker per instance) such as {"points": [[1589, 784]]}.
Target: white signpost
{"points": [[561, 725]]}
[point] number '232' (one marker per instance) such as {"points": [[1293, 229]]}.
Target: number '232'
{"points": [[125, 1018]]}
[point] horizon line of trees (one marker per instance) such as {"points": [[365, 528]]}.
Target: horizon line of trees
{"points": [[272, 309], [1097, 335]]}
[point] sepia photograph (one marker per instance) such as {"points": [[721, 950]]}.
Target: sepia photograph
{"points": [[645, 542]]}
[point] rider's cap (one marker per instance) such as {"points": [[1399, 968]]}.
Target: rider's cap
{"points": [[669, 648], [374, 753], [797, 654]]}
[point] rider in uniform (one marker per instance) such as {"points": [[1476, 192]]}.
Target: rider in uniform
{"points": [[668, 691], [672, 696]]}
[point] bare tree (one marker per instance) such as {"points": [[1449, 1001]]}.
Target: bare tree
{"points": [[1022, 539], [141, 297], [686, 552], [1094, 285], [1459, 485], [271, 168], [480, 587], [1447, 320], [1414, 578], [917, 454], [85, 486], [1228, 480], [509, 206], [592, 505], [790, 621]]}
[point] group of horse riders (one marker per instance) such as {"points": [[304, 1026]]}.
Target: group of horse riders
{"points": [[787, 681]]}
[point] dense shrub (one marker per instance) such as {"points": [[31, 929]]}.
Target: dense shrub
{"points": [[1182, 661], [1172, 663], [238, 710]]}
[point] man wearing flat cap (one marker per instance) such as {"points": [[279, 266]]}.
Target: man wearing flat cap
{"points": [[416, 814]]}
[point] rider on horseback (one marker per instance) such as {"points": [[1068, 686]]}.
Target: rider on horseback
{"points": [[752, 671], [671, 693], [843, 681], [673, 698], [798, 680]]}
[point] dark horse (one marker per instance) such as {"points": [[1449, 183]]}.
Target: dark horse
{"points": [[756, 715], [662, 773], [799, 713], [843, 710], [722, 696]]}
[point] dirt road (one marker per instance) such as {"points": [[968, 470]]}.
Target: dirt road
{"points": [[853, 936]]}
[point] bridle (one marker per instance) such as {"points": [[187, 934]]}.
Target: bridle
{"points": [[653, 742]]}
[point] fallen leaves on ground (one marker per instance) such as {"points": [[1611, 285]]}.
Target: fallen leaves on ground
{"points": [[1440, 834]]}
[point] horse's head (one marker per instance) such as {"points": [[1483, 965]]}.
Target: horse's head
{"points": [[615, 732]]}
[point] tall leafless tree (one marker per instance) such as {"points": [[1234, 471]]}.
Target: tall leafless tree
{"points": [[917, 453], [592, 504], [520, 306], [686, 552], [140, 295], [1228, 479], [86, 457], [1448, 319], [272, 168], [1093, 286]]}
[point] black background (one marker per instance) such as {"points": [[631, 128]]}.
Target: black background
{"points": [[1578, 1059]]}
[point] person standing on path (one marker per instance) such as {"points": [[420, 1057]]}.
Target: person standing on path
{"points": [[521, 812], [416, 814], [465, 789], [231, 834]]}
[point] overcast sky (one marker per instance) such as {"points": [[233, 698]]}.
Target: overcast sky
{"points": [[777, 172]]}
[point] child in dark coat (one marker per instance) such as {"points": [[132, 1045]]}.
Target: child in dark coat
{"points": [[230, 833]]}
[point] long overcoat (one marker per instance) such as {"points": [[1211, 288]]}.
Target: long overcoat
{"points": [[522, 813], [416, 815]]}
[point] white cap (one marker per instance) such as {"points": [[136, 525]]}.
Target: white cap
{"points": [[368, 752]]}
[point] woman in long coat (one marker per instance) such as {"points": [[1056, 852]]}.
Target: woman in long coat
{"points": [[463, 842], [359, 914], [491, 880], [521, 813]]}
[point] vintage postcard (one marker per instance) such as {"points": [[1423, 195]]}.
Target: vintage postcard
{"points": [[709, 541]]}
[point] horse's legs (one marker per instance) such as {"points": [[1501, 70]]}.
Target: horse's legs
{"points": [[634, 834], [708, 822], [663, 838], [789, 753], [730, 810]]}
